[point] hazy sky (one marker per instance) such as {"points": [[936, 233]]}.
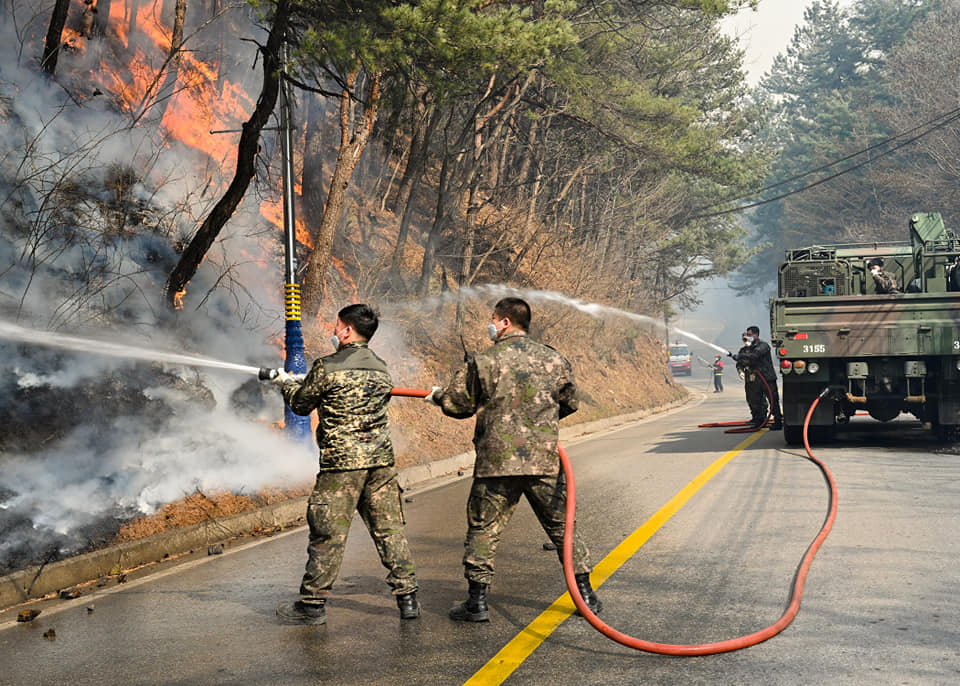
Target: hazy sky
{"points": [[763, 35], [767, 32]]}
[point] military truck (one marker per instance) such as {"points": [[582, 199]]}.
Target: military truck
{"points": [[880, 353]]}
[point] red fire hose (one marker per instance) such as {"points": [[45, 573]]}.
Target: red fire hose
{"points": [[680, 649], [747, 427], [703, 648], [409, 392]]}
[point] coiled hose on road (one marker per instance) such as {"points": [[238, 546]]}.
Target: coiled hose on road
{"points": [[703, 648], [681, 649]]}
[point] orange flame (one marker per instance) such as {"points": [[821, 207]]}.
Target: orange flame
{"points": [[201, 101]]}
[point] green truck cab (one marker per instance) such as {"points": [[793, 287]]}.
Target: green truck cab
{"points": [[880, 353]]}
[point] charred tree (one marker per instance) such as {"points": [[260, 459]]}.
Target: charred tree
{"points": [[134, 12], [355, 132], [51, 48], [166, 91], [314, 191], [101, 18], [247, 149]]}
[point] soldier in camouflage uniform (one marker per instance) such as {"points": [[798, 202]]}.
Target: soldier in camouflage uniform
{"points": [[350, 390], [755, 359], [519, 390], [885, 282]]}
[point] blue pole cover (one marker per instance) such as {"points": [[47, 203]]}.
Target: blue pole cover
{"points": [[297, 426]]}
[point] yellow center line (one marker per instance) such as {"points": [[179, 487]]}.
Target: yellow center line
{"points": [[536, 632]]}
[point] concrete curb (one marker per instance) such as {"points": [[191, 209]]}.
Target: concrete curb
{"points": [[37, 582]]}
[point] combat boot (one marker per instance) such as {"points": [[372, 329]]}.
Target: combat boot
{"points": [[302, 613], [474, 608], [409, 606], [588, 594]]}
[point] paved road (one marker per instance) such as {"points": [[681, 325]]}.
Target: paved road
{"points": [[879, 608]]}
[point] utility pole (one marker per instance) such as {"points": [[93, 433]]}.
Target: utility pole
{"points": [[297, 427]]}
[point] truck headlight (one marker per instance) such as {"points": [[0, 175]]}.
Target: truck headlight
{"points": [[813, 368]]}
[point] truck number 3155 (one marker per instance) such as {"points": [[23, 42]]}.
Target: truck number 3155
{"points": [[822, 348]]}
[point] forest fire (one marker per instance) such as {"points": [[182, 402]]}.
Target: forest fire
{"points": [[272, 211], [200, 101]]}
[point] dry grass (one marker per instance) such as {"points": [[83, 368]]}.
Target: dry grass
{"points": [[202, 507]]}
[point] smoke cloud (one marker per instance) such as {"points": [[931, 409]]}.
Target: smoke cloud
{"points": [[92, 203]]}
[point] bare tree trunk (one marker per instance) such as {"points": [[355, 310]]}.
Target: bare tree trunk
{"points": [[353, 139], [51, 48], [416, 164], [473, 214], [422, 125], [166, 91], [439, 215], [311, 181], [101, 19], [247, 149], [134, 16]]}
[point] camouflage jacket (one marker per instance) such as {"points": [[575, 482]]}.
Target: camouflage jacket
{"points": [[885, 283], [349, 390], [519, 390], [757, 358]]}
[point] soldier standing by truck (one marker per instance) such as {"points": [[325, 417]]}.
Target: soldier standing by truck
{"points": [[755, 360]]}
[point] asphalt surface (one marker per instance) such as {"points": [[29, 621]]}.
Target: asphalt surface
{"points": [[879, 605]]}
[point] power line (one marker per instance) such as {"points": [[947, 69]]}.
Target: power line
{"points": [[951, 116]]}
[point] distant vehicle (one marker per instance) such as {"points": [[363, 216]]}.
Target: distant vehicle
{"points": [[681, 361], [881, 353]]}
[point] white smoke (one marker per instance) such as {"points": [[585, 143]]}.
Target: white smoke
{"points": [[60, 138]]}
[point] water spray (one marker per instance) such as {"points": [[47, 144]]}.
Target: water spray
{"points": [[50, 339], [593, 309]]}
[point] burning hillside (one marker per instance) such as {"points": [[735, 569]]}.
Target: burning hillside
{"points": [[109, 167]]}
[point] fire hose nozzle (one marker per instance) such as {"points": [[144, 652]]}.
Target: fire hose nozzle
{"points": [[267, 374]]}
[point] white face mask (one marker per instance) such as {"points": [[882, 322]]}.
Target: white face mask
{"points": [[748, 340], [335, 341], [875, 270], [492, 331]]}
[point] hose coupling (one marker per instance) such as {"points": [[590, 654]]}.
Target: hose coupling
{"points": [[267, 374]]}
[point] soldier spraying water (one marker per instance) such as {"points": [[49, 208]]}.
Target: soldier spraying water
{"points": [[519, 390], [755, 359], [350, 390]]}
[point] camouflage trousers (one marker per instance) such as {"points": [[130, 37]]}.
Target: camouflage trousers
{"points": [[375, 494], [489, 508], [758, 400]]}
